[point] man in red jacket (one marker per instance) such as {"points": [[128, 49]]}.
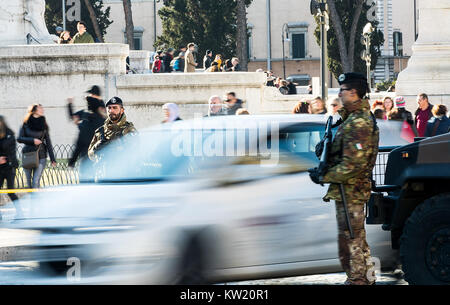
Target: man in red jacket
{"points": [[422, 114]]}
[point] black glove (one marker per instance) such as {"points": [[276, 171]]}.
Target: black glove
{"points": [[314, 175]]}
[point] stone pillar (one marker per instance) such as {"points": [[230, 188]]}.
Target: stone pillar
{"points": [[429, 66], [140, 61]]}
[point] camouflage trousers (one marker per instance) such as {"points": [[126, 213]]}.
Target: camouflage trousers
{"points": [[354, 254]]}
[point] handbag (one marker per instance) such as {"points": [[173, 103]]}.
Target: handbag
{"points": [[30, 160]]}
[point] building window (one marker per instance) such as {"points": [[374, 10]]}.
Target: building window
{"points": [[250, 41], [298, 36], [138, 33], [298, 45], [398, 44]]}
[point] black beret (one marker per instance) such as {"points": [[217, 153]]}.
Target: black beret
{"points": [[352, 77], [115, 101]]}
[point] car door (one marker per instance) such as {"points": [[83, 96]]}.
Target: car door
{"points": [[275, 214]]}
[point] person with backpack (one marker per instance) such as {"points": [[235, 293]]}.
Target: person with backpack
{"points": [[178, 63]]}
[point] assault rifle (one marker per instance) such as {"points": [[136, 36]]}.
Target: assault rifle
{"points": [[322, 151]]}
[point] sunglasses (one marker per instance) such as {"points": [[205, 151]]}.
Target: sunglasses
{"points": [[334, 105]]}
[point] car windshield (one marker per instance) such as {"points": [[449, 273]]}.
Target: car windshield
{"points": [[162, 154]]}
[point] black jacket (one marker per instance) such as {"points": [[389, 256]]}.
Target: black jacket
{"points": [[292, 88], [232, 110], [8, 150], [401, 114], [433, 129], [87, 128], [27, 136], [207, 62], [167, 59]]}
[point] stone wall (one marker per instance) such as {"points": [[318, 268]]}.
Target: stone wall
{"points": [[49, 74]]}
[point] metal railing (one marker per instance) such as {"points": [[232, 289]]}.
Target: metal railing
{"points": [[61, 174], [380, 165]]}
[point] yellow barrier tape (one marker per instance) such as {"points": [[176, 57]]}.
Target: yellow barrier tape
{"points": [[18, 191]]}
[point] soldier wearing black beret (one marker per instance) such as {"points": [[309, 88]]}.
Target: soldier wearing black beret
{"points": [[115, 126], [351, 160]]}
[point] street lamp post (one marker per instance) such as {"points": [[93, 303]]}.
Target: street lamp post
{"points": [[319, 10], [367, 31], [64, 14], [284, 31], [324, 53], [154, 23]]}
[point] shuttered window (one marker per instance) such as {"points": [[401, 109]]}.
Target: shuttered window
{"points": [[298, 45]]}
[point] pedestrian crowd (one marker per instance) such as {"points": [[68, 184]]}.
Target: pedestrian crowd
{"points": [[318, 106], [428, 120], [284, 86], [82, 36], [186, 61]]}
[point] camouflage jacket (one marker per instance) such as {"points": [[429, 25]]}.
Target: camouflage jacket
{"points": [[109, 132], [353, 155]]}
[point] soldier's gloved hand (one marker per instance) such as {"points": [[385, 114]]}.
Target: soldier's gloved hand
{"points": [[315, 176]]}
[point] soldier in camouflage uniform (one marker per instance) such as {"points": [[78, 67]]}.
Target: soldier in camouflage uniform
{"points": [[115, 127], [352, 157]]}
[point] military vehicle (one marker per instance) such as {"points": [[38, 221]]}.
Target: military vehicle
{"points": [[414, 205]]}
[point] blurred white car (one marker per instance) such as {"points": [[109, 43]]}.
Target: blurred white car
{"points": [[201, 201]]}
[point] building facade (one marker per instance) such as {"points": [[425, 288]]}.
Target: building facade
{"points": [[284, 24]]}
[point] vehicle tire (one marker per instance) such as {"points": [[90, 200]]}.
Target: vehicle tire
{"points": [[425, 243], [192, 265], [54, 268]]}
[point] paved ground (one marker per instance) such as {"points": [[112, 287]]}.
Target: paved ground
{"points": [[28, 273], [323, 279]]}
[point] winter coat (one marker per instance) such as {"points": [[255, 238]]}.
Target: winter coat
{"points": [[156, 66], [167, 59], [189, 65], [27, 136], [8, 150], [87, 130], [443, 127], [207, 60]]}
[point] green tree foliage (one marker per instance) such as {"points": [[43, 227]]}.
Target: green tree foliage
{"points": [[54, 17], [346, 11], [209, 24]]}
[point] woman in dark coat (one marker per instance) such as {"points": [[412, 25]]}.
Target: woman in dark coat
{"points": [[34, 133], [8, 162]]}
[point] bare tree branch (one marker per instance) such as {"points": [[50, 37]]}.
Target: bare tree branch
{"points": [[336, 20], [241, 35], [129, 23], [351, 47], [93, 17]]}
